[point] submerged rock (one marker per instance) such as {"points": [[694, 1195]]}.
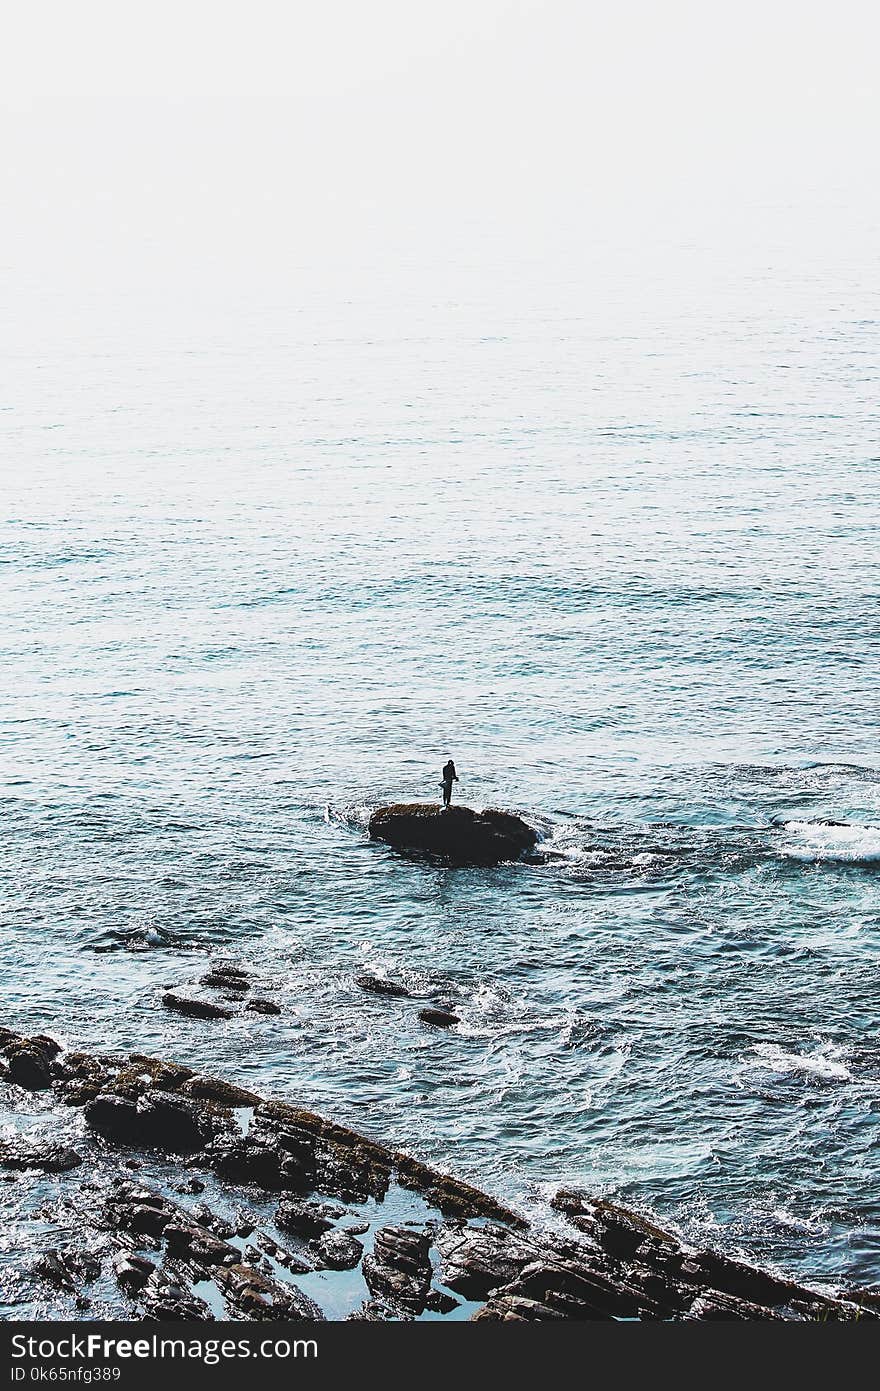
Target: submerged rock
{"points": [[197, 1009], [260, 1006], [378, 985], [456, 834], [442, 1018], [224, 978]]}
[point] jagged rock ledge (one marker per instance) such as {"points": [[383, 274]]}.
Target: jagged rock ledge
{"points": [[457, 835], [325, 1186]]}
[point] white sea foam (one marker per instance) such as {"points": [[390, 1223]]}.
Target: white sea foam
{"points": [[816, 840], [824, 1062]]}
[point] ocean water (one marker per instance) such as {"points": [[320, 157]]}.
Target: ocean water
{"points": [[607, 541]]}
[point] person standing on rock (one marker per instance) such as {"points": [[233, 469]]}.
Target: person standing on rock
{"points": [[449, 777]]}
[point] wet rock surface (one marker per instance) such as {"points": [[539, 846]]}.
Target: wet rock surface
{"points": [[378, 985], [456, 834], [196, 1008], [50, 1156], [164, 1193], [440, 1018], [221, 993], [338, 1250], [399, 1269]]}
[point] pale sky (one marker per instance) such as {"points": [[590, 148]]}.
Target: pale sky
{"points": [[240, 139]]}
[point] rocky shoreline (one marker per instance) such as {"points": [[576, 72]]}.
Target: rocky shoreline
{"points": [[186, 1197]]}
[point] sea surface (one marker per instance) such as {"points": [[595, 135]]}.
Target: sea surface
{"points": [[607, 539]]}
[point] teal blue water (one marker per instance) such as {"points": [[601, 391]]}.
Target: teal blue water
{"points": [[615, 557]]}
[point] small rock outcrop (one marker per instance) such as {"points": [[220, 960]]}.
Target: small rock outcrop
{"points": [[458, 835], [399, 1269], [441, 1018], [50, 1156], [379, 985], [197, 1009]]}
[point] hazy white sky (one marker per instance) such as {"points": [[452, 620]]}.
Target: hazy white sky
{"points": [[182, 139]]}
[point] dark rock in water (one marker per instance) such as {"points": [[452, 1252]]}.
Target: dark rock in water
{"points": [[250, 1294], [195, 1243], [399, 1268], [338, 1250], [657, 1287], [132, 1271], [475, 1260], [166, 1076], [308, 1219], [224, 979], [247, 1162], [296, 1262], [443, 1018], [735, 1278], [198, 1009], [51, 1157], [158, 1120], [583, 1289], [351, 1173], [277, 1153], [439, 1302], [331, 1158], [167, 1300], [512, 1308], [617, 1230], [51, 1268], [140, 1211], [29, 1067], [218, 1225], [215, 1089], [190, 1185], [377, 985], [452, 1196], [67, 1269], [260, 1006], [114, 1118], [618, 1265], [169, 1122], [714, 1305], [377, 1311], [222, 966], [456, 834]]}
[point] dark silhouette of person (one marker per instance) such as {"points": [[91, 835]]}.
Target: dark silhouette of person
{"points": [[449, 777]]}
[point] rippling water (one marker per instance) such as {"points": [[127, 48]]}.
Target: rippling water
{"points": [[617, 557]]}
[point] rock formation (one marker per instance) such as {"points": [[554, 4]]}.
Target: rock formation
{"points": [[458, 835], [312, 1187]]}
